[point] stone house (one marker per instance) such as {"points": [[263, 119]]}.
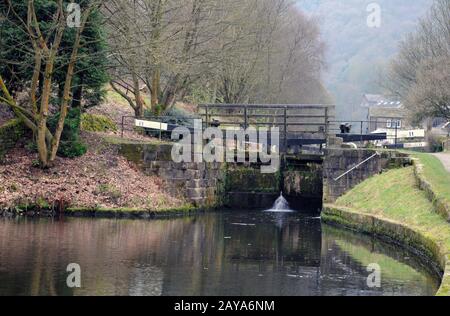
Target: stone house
{"points": [[384, 112]]}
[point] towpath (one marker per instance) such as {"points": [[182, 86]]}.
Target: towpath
{"points": [[445, 158]]}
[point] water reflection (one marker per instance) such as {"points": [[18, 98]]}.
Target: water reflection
{"points": [[240, 253]]}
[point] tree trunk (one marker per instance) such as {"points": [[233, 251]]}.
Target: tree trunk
{"points": [[139, 110], [66, 96], [156, 87], [43, 115]]}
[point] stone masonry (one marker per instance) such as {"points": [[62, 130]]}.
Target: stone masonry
{"points": [[200, 183], [338, 161]]}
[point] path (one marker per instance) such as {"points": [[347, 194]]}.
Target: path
{"points": [[445, 159]]}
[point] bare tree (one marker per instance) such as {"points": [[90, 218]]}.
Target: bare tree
{"points": [[420, 73], [235, 51]]}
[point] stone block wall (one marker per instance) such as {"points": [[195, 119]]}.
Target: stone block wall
{"points": [[202, 184], [304, 183], [338, 161], [247, 188], [232, 185]]}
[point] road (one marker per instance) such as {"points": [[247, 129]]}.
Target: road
{"points": [[445, 158]]}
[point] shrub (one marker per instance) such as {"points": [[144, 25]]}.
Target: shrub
{"points": [[72, 149], [97, 123], [436, 143], [70, 144]]}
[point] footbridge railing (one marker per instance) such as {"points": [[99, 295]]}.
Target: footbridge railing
{"points": [[299, 124]]}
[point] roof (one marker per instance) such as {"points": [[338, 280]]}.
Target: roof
{"points": [[387, 112], [373, 97], [378, 100]]}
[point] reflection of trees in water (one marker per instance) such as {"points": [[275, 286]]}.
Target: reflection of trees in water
{"points": [[255, 260], [35, 256], [284, 240], [189, 256]]}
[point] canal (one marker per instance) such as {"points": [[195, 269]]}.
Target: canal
{"points": [[223, 253]]}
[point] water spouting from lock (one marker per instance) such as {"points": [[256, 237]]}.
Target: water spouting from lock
{"points": [[281, 205]]}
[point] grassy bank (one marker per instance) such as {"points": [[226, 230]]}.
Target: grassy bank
{"points": [[436, 180], [392, 205]]}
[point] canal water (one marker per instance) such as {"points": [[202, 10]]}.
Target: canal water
{"points": [[226, 253]]}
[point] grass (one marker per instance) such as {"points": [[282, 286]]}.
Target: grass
{"points": [[395, 196], [115, 97], [435, 173]]}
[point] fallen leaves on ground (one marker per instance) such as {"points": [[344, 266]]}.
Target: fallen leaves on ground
{"points": [[101, 178]]}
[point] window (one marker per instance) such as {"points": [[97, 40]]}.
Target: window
{"points": [[389, 124], [394, 123]]}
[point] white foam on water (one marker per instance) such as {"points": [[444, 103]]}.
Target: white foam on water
{"points": [[281, 205]]}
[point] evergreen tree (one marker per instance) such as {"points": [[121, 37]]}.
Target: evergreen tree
{"points": [[17, 57]]}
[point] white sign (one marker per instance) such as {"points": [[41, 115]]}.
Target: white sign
{"points": [[415, 145], [152, 125], [412, 133]]}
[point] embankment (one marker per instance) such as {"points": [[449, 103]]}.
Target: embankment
{"points": [[392, 206]]}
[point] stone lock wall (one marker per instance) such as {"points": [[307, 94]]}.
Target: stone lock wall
{"points": [[304, 183], [247, 188], [338, 161], [202, 184], [232, 185]]}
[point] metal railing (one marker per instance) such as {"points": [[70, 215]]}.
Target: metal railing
{"points": [[357, 166], [363, 128], [298, 124], [295, 121]]}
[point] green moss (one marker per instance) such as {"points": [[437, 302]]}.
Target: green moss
{"points": [[97, 123], [109, 190], [42, 203], [187, 208], [244, 179], [13, 187]]}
